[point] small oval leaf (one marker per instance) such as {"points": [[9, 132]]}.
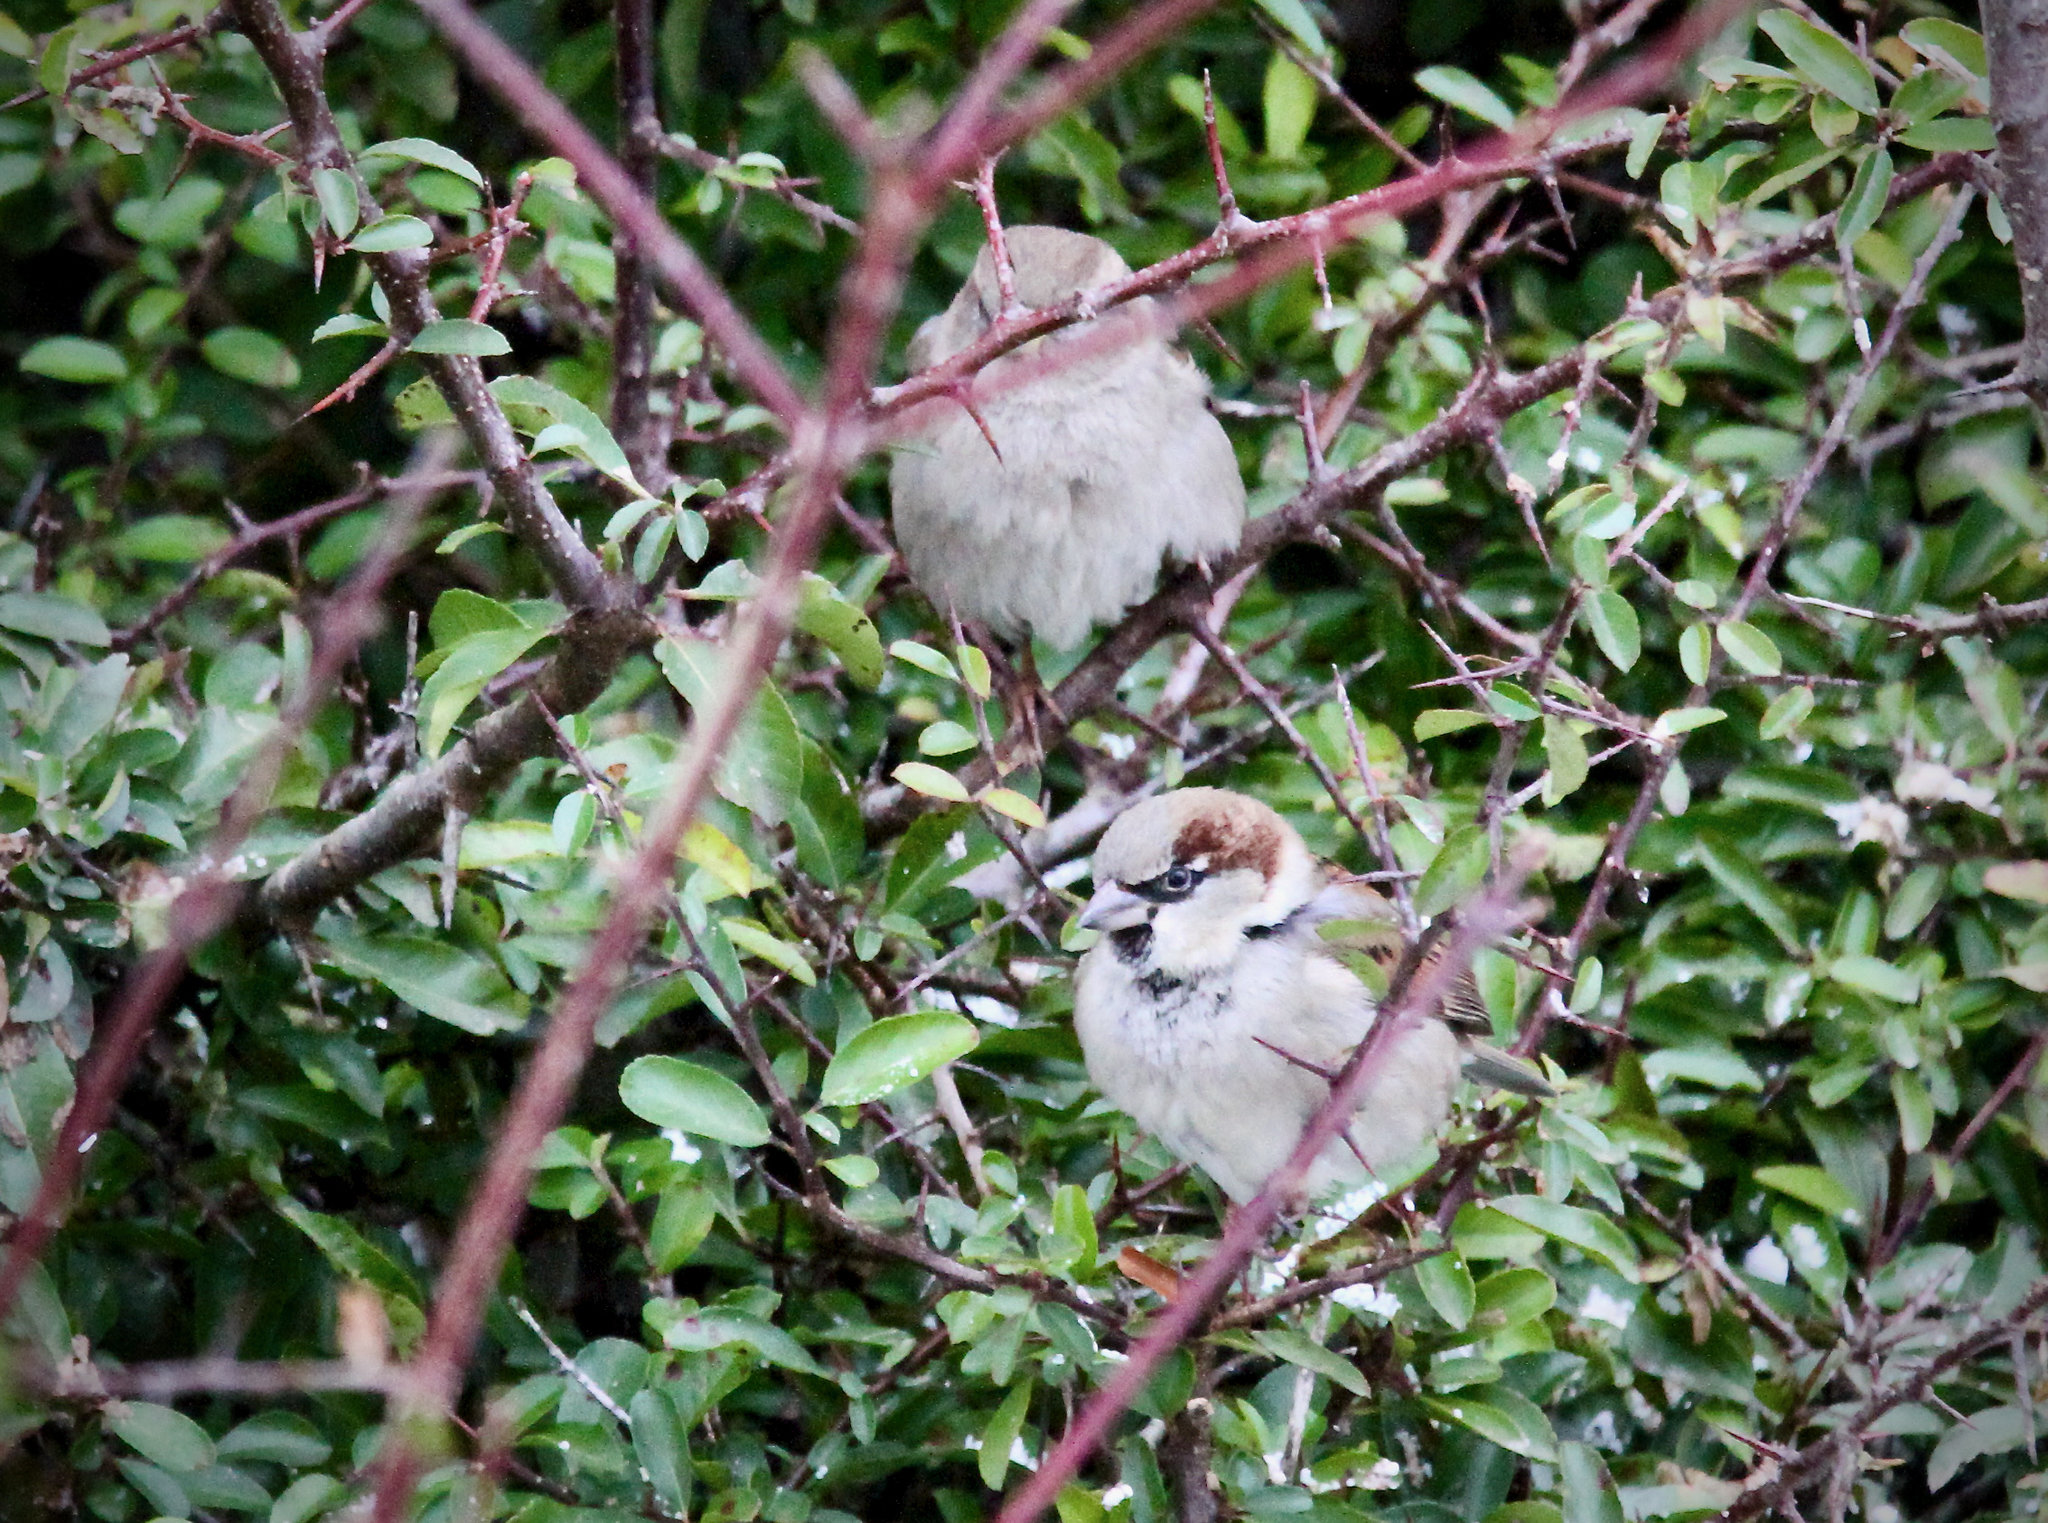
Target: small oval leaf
{"points": [[458, 335], [689, 1097], [896, 1051]]}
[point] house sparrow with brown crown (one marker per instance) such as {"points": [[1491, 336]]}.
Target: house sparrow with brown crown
{"points": [[1099, 462], [1212, 1008]]}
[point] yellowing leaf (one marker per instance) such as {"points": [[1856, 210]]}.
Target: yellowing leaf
{"points": [[774, 951], [2019, 880], [711, 849], [1014, 804], [935, 782]]}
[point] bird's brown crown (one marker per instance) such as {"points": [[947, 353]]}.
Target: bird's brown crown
{"points": [[1213, 828], [1049, 264]]}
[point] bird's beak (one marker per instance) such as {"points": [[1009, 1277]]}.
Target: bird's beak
{"points": [[1114, 908]]}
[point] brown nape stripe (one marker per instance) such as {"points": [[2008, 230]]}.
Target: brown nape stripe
{"points": [[1230, 838]]}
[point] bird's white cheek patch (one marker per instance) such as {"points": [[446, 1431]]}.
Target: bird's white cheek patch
{"points": [[1182, 948]]}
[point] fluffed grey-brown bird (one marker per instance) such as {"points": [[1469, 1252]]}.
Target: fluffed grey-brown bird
{"points": [[1212, 1009], [1109, 463]]}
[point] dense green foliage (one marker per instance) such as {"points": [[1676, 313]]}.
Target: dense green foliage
{"points": [[763, 1272]]}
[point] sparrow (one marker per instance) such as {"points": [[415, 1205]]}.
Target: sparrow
{"points": [[1214, 1012], [1044, 499]]}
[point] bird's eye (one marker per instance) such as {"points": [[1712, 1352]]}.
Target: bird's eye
{"points": [[1179, 880]]}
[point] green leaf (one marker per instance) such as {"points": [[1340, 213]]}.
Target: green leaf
{"points": [[277, 1438], [1811, 1186], [249, 354], [1454, 87], [1669, 1347], [470, 664], [1415, 492], [1822, 59], [152, 310], [1298, 1348], [458, 335], [459, 613], [763, 769], [1502, 1415], [1002, 1432], [662, 1448], [86, 361], [534, 405], [172, 539], [1590, 1234], [1785, 713], [681, 1223], [1915, 1108], [1865, 202], [87, 709], [52, 616], [307, 1498], [699, 1332], [1942, 40], [1915, 897], [1447, 1285], [1951, 134], [1678, 721], [1295, 19], [335, 190], [1696, 652], [421, 405], [1510, 1297], [1873, 975], [1289, 100], [895, 1051], [856, 1169], [387, 235], [1588, 1492], [843, 629], [1614, 626], [1431, 723], [1750, 648], [1996, 1430], [1074, 1222], [1074, 148], [174, 220], [1458, 868], [1587, 985], [161, 1435], [434, 977], [924, 658], [688, 1097], [1738, 876], [1566, 754], [421, 150], [945, 738]]}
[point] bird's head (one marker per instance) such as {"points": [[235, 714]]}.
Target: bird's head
{"points": [[1185, 876], [1047, 265]]}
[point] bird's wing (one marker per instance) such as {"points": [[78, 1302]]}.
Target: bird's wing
{"points": [[1353, 918]]}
